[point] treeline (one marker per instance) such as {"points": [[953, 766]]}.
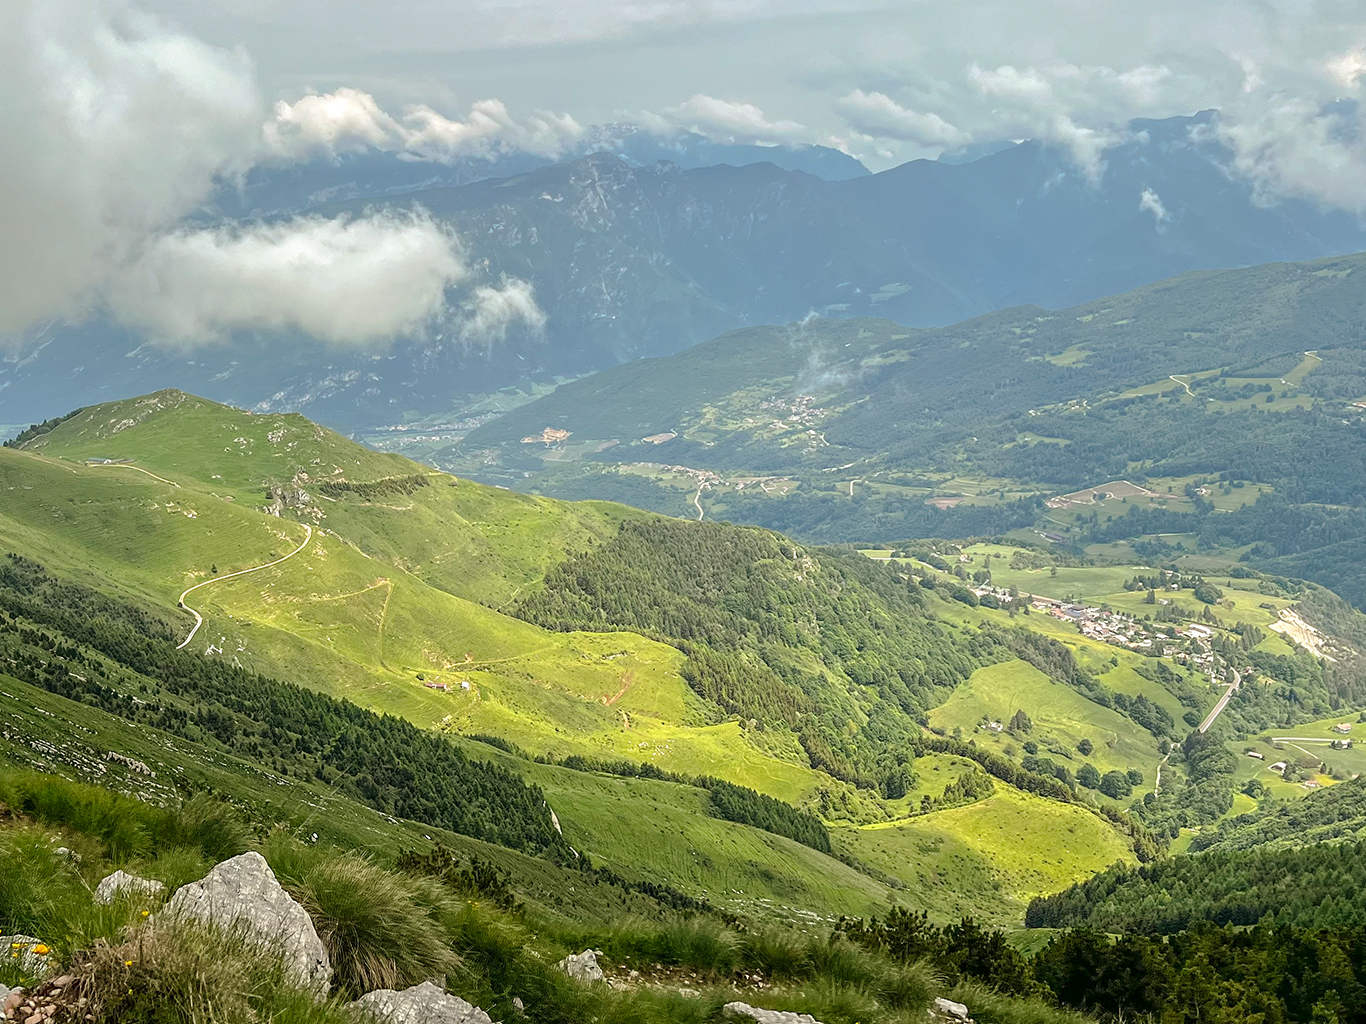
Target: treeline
{"points": [[1337, 812], [376, 488], [386, 763], [729, 801], [1204, 975], [1320, 886], [831, 646], [745, 806], [39, 429]]}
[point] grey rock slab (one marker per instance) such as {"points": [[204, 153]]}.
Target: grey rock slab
{"points": [[582, 966], [120, 882], [242, 895], [767, 1016], [955, 1011], [421, 1004]]}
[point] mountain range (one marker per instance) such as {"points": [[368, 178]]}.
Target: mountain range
{"points": [[633, 256]]}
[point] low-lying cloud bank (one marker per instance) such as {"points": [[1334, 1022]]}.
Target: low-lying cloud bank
{"points": [[119, 126], [348, 120]]}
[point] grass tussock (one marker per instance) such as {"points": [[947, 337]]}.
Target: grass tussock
{"points": [[382, 928], [124, 827], [991, 1007], [171, 972]]}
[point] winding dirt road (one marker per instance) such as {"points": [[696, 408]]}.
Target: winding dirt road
{"points": [[199, 619]]}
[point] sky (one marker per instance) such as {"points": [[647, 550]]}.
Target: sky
{"points": [[119, 117]]}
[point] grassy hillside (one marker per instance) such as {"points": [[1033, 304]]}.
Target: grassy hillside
{"points": [[706, 650]]}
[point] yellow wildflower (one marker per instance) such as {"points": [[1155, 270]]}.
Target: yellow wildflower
{"points": [[41, 949]]}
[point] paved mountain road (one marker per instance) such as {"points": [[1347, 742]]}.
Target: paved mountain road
{"points": [[1223, 702]]}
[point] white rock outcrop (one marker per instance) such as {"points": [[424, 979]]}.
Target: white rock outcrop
{"points": [[120, 882], [582, 966], [421, 1004], [767, 1016], [242, 895], [953, 1011], [25, 952]]}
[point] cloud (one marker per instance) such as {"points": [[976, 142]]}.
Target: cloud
{"points": [[1294, 146], [1051, 103], [343, 121], [115, 126], [491, 312], [879, 116], [488, 130], [349, 120], [731, 121], [1151, 202], [354, 283]]}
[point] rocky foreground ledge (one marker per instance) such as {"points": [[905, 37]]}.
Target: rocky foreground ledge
{"points": [[241, 897]]}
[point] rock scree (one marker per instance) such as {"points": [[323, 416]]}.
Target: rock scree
{"points": [[242, 893], [767, 1016], [421, 1004], [132, 885], [582, 966]]}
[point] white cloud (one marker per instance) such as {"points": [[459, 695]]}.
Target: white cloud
{"points": [[1067, 104], [357, 283], [114, 126], [732, 121], [343, 121], [878, 116], [491, 312], [1293, 146], [1150, 202], [349, 120], [488, 130]]}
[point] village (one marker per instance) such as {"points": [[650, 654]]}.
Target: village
{"points": [[1187, 645]]}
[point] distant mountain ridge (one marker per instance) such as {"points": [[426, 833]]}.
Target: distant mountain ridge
{"points": [[631, 259]]}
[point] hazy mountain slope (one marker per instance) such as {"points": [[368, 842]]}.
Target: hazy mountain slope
{"points": [[632, 258]]}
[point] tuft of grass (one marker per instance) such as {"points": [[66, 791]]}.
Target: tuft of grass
{"points": [[698, 942], [382, 929], [780, 954], [988, 1006], [125, 827], [44, 895], [172, 972], [211, 825], [842, 963]]}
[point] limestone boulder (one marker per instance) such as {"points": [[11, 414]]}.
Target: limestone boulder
{"points": [[745, 1011], [950, 1010], [582, 966], [243, 896], [30, 955], [122, 883], [421, 1004]]}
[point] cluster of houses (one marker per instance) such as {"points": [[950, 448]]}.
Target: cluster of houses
{"points": [[802, 411], [464, 684], [1189, 646]]}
